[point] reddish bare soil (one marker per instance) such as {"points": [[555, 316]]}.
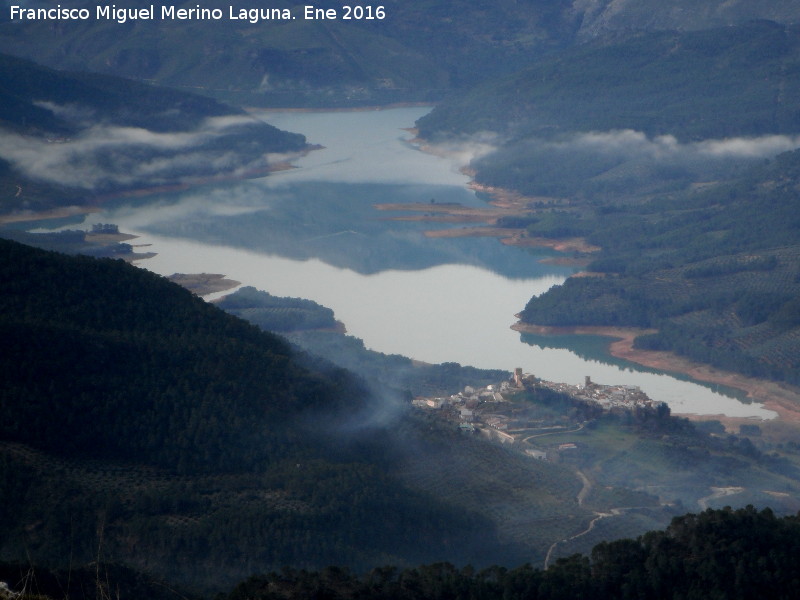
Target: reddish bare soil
{"points": [[782, 398]]}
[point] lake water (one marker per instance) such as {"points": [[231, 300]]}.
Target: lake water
{"points": [[312, 232]]}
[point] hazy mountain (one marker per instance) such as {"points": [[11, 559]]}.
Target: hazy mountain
{"points": [[206, 449], [417, 52], [599, 17], [653, 148], [716, 83], [146, 427], [67, 137]]}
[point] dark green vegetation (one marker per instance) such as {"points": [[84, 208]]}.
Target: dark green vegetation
{"points": [[67, 138], [625, 143], [187, 442], [733, 554], [144, 427], [636, 460], [272, 313], [693, 85], [149, 348], [27, 88], [420, 51], [742, 554], [84, 582], [716, 271], [416, 53], [619, 122]]}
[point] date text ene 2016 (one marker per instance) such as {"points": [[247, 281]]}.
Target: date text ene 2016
{"points": [[356, 13]]}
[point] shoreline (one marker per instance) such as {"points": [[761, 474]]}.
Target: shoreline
{"points": [[341, 109], [780, 398], [63, 212], [203, 284]]}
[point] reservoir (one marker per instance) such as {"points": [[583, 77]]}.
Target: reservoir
{"points": [[313, 232]]}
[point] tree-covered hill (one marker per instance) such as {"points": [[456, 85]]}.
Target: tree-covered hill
{"points": [[102, 359], [717, 83], [742, 554], [736, 555], [653, 148], [716, 271], [67, 137], [188, 443], [415, 52], [28, 88], [418, 51], [145, 427]]}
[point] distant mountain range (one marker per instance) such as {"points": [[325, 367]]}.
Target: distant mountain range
{"points": [[715, 83], [419, 51]]}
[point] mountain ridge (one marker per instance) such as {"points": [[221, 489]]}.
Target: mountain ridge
{"points": [[338, 63]]}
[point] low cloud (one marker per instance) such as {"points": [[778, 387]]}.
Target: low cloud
{"points": [[636, 144], [465, 150], [624, 162], [108, 156], [761, 147]]}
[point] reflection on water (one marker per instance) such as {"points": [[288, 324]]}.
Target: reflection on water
{"points": [[595, 348], [335, 222], [312, 232]]}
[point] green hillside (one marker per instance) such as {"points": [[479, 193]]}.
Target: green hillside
{"points": [[415, 53], [194, 439], [84, 355], [145, 427], [716, 271], [653, 148], [69, 138], [26, 86], [715, 83], [742, 554]]}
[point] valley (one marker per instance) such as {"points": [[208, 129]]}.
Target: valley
{"points": [[262, 353]]}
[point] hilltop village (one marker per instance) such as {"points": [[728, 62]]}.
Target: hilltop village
{"points": [[525, 409]]}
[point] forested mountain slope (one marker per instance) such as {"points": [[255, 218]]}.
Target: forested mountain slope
{"points": [[203, 448], [716, 271], [103, 359], [417, 51], [602, 17], [743, 554], [145, 427], [716, 83], [653, 148], [67, 137]]}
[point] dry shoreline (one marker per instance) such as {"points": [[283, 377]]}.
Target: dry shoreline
{"points": [[203, 284], [62, 212], [781, 398]]}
